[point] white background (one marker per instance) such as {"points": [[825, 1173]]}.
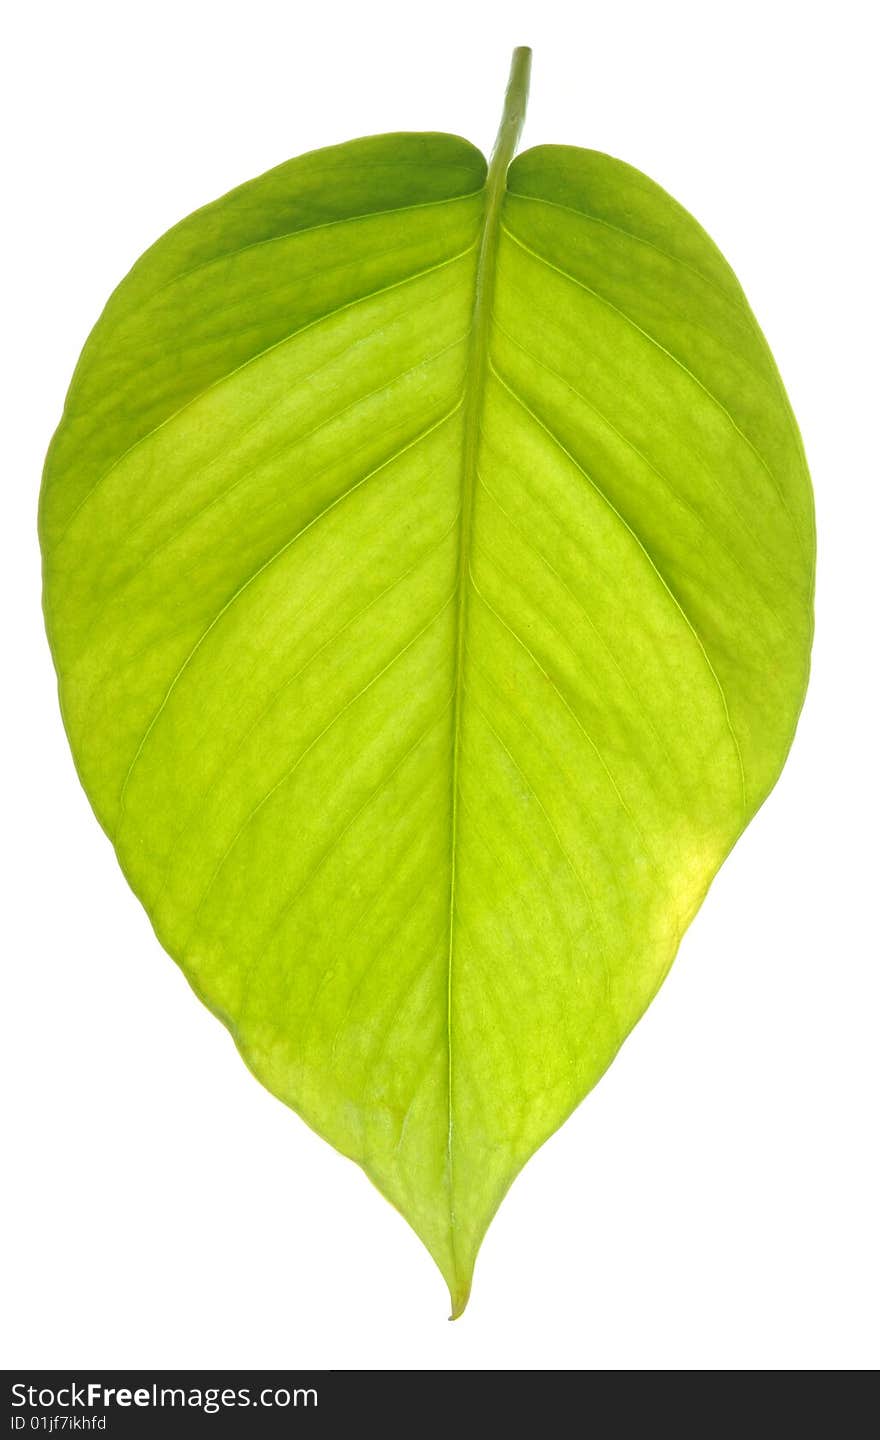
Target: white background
{"points": [[714, 1203]]}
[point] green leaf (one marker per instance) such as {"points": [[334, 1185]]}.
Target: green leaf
{"points": [[428, 571]]}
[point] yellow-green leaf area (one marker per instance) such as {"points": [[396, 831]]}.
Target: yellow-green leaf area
{"points": [[428, 560]]}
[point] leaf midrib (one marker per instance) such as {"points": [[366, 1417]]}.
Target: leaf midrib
{"points": [[474, 397]]}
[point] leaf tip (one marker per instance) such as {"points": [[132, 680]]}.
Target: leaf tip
{"points": [[458, 1299]]}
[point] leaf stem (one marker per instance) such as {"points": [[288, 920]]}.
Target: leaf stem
{"points": [[512, 118]]}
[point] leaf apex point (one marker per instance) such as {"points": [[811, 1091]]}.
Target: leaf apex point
{"points": [[458, 1300]]}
